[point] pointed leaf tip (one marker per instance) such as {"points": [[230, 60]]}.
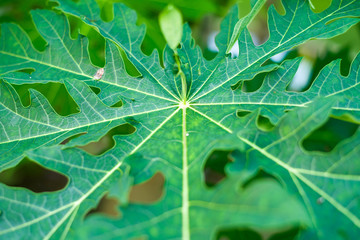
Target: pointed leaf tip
{"points": [[243, 22]]}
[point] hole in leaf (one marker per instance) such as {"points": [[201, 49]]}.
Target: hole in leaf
{"points": [[27, 70], [279, 7], [107, 206], [238, 234], [55, 93], [242, 113], [254, 84], [261, 174], [237, 85], [322, 60], [246, 233], [117, 104], [130, 68], [19, 13], [149, 191], [72, 137], [107, 12], [214, 169], [244, 8], [107, 141], [96, 90], [318, 6], [96, 43], [326, 137], [75, 25], [289, 234], [302, 78], [258, 27], [33, 176], [264, 123], [148, 46]]}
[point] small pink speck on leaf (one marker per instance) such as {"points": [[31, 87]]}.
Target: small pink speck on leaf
{"points": [[320, 200], [99, 74]]}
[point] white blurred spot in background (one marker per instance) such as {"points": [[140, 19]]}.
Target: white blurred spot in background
{"points": [[302, 76], [212, 46], [279, 57], [211, 42]]}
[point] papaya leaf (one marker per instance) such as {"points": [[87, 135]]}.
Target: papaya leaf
{"points": [[270, 183]]}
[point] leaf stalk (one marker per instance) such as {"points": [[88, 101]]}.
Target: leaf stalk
{"points": [[182, 76]]}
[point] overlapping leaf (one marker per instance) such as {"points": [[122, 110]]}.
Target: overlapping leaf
{"points": [[63, 57], [26, 214], [275, 100], [45, 127], [175, 136], [328, 184]]}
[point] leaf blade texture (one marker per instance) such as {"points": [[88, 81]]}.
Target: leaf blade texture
{"points": [[175, 136]]}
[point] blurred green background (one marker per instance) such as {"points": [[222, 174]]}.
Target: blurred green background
{"points": [[204, 17]]}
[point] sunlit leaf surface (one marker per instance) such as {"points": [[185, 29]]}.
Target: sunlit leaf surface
{"points": [[175, 134]]}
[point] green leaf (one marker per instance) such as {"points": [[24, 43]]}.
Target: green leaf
{"points": [[316, 178], [179, 121], [52, 214], [45, 127], [63, 58], [170, 20], [243, 22], [275, 100], [249, 206]]}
